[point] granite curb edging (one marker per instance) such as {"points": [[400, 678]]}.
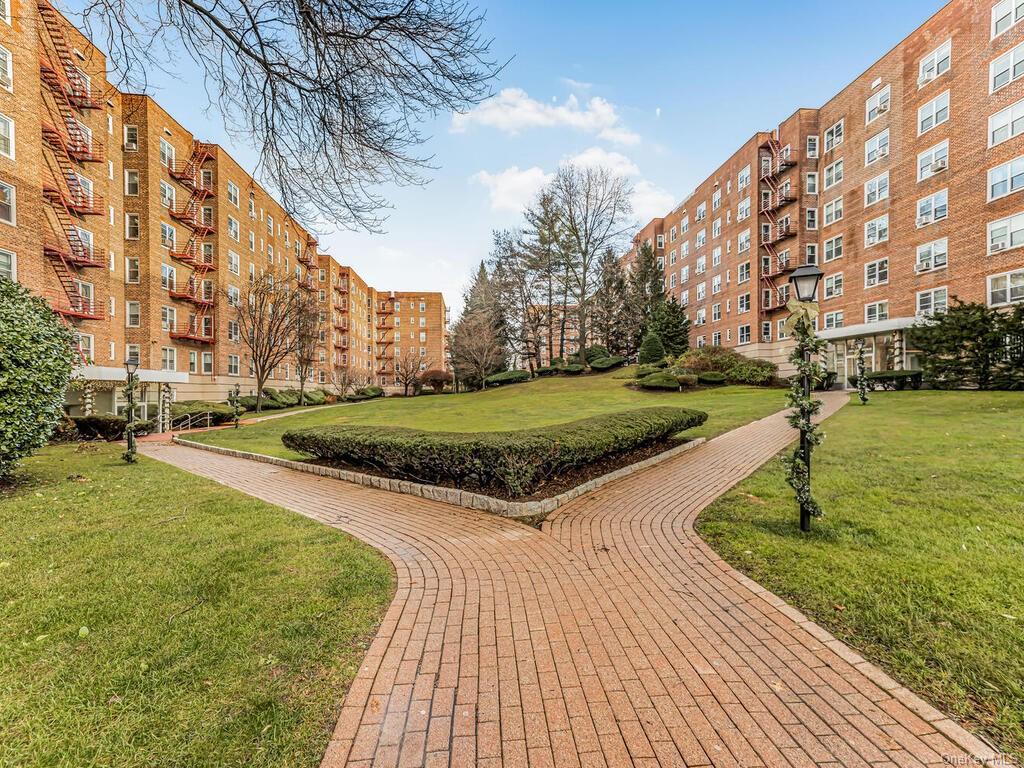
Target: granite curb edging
{"points": [[468, 499]]}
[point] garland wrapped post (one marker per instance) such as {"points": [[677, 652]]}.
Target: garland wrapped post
{"points": [[809, 373], [165, 408], [233, 398], [862, 379], [129, 431]]}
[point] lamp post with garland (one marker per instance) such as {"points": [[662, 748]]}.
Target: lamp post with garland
{"points": [[131, 366], [862, 379]]}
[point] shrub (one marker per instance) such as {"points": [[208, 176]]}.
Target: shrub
{"points": [[287, 397], [595, 352], [645, 370], [758, 373], [436, 379], [36, 357], [825, 384], [573, 370], [315, 397], [65, 431], [107, 428], [897, 380], [711, 378], [370, 391], [737, 368], [607, 363], [686, 380], [221, 413], [547, 371], [557, 362], [659, 380], [651, 349], [507, 377], [249, 402], [515, 463]]}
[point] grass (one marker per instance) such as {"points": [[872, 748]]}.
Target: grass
{"points": [[918, 560], [152, 618], [537, 403]]}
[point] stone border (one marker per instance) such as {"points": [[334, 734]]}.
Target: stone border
{"points": [[513, 509]]}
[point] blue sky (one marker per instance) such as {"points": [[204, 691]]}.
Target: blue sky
{"points": [[664, 91]]}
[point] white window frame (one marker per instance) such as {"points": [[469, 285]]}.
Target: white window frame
{"points": [[833, 211], [834, 135], [9, 121], [932, 200], [880, 227], [932, 61], [1004, 9], [879, 186], [931, 293], [834, 319], [1013, 224], [832, 244], [829, 287], [881, 311], [926, 159], [1007, 62], [833, 174], [812, 147], [7, 76], [811, 183], [1010, 301], [879, 267], [932, 110], [13, 258], [940, 246], [1013, 170], [874, 104], [13, 192], [876, 148]]}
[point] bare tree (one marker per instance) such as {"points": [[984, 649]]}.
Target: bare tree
{"points": [[307, 338], [347, 379], [266, 311], [544, 242], [330, 93], [475, 347], [518, 290], [408, 365], [595, 214]]}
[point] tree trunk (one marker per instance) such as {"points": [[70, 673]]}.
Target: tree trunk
{"points": [[302, 390]]}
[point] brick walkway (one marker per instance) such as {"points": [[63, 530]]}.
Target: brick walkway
{"points": [[614, 637]]}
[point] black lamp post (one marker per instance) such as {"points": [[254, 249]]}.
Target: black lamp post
{"points": [[233, 396], [131, 365], [805, 281]]}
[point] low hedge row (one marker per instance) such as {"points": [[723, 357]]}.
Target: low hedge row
{"points": [[221, 413], [514, 463], [607, 363], [507, 377], [107, 428], [898, 380]]}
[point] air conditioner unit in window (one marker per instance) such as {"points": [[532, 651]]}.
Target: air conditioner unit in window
{"points": [[883, 151], [926, 78], [883, 108], [925, 220], [940, 165], [872, 239], [997, 247]]}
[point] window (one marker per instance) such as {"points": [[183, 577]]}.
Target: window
{"points": [[743, 178], [812, 147], [716, 256], [167, 235], [684, 224], [743, 209], [701, 239], [234, 231], [1006, 124], [168, 318], [1005, 179], [876, 189], [876, 273], [833, 320], [132, 314], [935, 63], [684, 273], [743, 241], [933, 161], [716, 228], [876, 231], [8, 265], [932, 302], [166, 153], [743, 272], [131, 226], [702, 291], [193, 361], [833, 211], [84, 342], [811, 184], [1005, 14], [716, 284], [5, 10], [131, 182], [932, 208], [877, 105], [1006, 68], [834, 136], [234, 334], [1006, 233], [702, 265], [716, 312], [233, 365], [743, 303], [932, 255], [234, 296], [744, 334], [876, 312], [934, 113], [812, 218], [233, 193], [6, 136], [702, 212], [207, 362], [131, 138], [168, 359], [168, 277], [1007, 288], [834, 285], [8, 203], [876, 148], [6, 69], [167, 195], [811, 253], [833, 174], [131, 270]]}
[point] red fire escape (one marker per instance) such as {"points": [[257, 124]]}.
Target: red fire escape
{"points": [[197, 291], [774, 197], [69, 196], [385, 312]]}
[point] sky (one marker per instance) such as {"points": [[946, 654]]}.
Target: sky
{"points": [[660, 91]]}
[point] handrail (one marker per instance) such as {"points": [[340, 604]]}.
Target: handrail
{"points": [[190, 421]]}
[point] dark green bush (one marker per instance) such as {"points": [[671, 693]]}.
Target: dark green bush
{"points": [[737, 368], [65, 431], [507, 377], [557, 362], [221, 412], [287, 397], [100, 427], [758, 373], [547, 370], [894, 380], [646, 370], [825, 384], [370, 392], [514, 463], [711, 378], [651, 350], [595, 352], [315, 397], [686, 380], [607, 363], [659, 380], [573, 370]]}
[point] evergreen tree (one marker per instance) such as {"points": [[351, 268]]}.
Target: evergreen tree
{"points": [[672, 327], [646, 290], [651, 350], [963, 347], [610, 320]]}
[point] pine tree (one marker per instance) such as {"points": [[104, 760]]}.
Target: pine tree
{"points": [[672, 327], [610, 320], [651, 350], [646, 290]]}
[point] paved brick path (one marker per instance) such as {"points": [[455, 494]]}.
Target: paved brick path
{"points": [[614, 637]]}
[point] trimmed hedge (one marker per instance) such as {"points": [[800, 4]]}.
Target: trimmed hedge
{"points": [[711, 378], [507, 377], [547, 370], [646, 370], [107, 428], [573, 370], [221, 413], [595, 352], [897, 380], [607, 363], [660, 380], [686, 380], [515, 463]]}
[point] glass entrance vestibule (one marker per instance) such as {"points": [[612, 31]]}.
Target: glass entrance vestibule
{"points": [[883, 351]]}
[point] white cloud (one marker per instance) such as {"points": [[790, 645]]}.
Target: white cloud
{"points": [[513, 111], [576, 85], [597, 157], [512, 189], [650, 201]]}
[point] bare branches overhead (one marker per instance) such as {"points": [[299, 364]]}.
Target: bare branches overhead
{"points": [[332, 94]]}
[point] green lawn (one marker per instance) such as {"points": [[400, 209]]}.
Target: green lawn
{"points": [[537, 403], [919, 560], [152, 618]]}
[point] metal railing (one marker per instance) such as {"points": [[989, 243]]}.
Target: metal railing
{"points": [[192, 421]]}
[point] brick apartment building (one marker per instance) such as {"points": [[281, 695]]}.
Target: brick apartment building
{"points": [[139, 235], [902, 188]]}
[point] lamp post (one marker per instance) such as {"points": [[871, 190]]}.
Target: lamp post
{"points": [[131, 365], [862, 381], [233, 396], [805, 280]]}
